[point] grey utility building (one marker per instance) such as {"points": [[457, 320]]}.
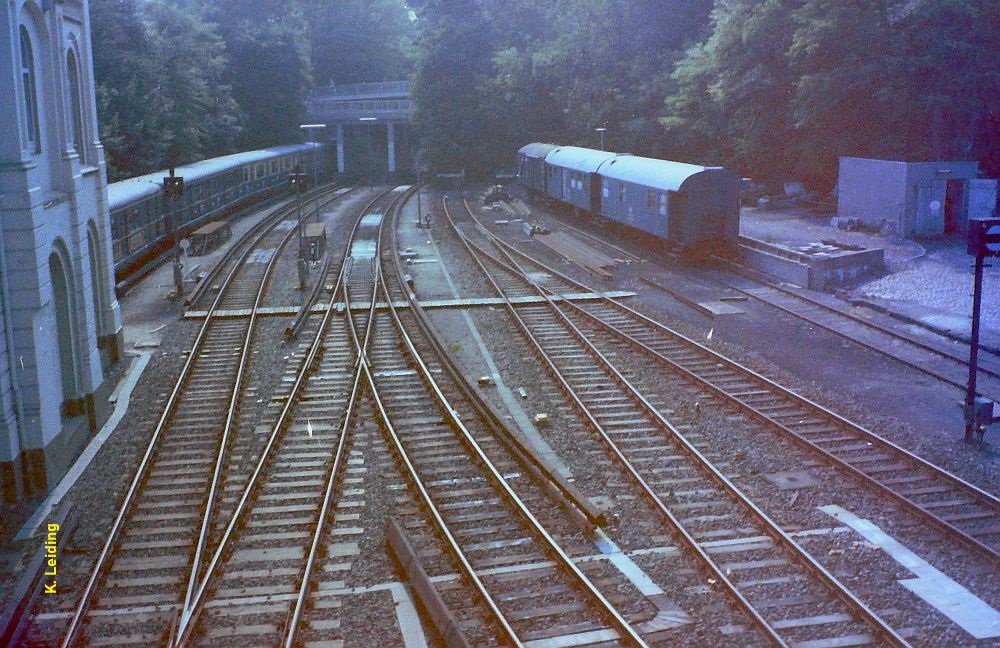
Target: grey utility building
{"points": [[913, 198], [60, 323]]}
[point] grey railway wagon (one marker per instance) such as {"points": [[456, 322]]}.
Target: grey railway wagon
{"points": [[531, 165], [685, 204], [571, 175], [212, 188]]}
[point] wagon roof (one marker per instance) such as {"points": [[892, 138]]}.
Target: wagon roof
{"points": [[577, 158], [127, 191], [650, 172], [536, 149]]}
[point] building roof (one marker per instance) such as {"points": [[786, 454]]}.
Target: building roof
{"points": [[536, 149], [577, 158], [650, 172], [133, 189]]}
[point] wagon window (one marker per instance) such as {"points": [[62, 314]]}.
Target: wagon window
{"points": [[650, 199], [604, 188], [621, 192], [663, 204]]}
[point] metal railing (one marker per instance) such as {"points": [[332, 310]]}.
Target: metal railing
{"points": [[381, 89]]}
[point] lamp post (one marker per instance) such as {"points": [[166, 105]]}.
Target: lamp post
{"points": [[601, 129], [371, 173]]}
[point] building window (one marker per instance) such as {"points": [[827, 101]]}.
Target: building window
{"points": [[30, 96], [75, 105]]}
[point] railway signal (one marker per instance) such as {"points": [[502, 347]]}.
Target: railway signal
{"points": [[983, 241], [173, 190], [297, 184]]}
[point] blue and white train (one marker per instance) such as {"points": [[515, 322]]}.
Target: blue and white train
{"points": [[690, 207], [212, 189]]}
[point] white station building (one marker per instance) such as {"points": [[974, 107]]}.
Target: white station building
{"points": [[60, 323]]}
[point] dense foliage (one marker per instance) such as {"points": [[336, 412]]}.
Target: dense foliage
{"points": [[183, 80], [775, 89]]}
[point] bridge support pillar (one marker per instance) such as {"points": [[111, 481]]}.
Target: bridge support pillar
{"points": [[340, 148], [392, 148]]}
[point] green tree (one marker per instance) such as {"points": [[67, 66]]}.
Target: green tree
{"points": [[197, 113], [354, 41], [783, 88], [550, 71], [123, 81], [269, 68], [160, 95], [741, 77]]}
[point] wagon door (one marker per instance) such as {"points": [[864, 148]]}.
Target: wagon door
{"points": [[676, 205], [595, 193]]}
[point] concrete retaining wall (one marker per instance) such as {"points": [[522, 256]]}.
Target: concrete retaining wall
{"points": [[845, 269], [809, 271], [775, 265]]}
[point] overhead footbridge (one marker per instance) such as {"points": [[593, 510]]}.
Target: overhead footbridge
{"points": [[355, 114]]}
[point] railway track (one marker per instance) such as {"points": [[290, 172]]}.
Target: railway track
{"points": [[140, 572], [486, 511], [260, 571], [961, 510], [947, 362], [690, 493]]}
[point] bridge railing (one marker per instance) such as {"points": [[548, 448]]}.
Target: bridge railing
{"points": [[372, 90], [341, 110]]}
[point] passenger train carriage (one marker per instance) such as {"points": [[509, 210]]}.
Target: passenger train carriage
{"points": [[212, 189], [686, 205]]}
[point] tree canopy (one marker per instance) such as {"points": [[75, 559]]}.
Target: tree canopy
{"points": [[190, 79], [774, 89]]}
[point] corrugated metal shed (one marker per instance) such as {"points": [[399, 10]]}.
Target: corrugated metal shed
{"points": [[536, 149], [650, 172], [128, 191], [577, 158]]}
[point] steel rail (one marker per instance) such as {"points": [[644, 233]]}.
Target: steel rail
{"points": [[234, 403], [293, 330], [936, 472], [857, 473], [435, 514], [151, 449], [627, 632], [291, 625], [805, 559], [875, 326], [188, 617], [282, 210], [686, 537]]}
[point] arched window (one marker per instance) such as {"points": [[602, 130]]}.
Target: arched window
{"points": [[34, 140], [75, 105], [96, 268], [63, 297]]}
